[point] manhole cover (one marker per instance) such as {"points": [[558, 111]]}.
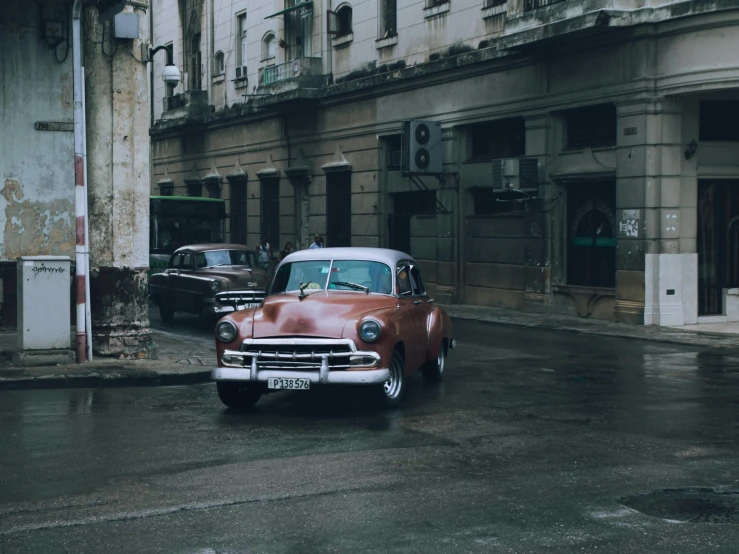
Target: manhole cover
{"points": [[688, 505]]}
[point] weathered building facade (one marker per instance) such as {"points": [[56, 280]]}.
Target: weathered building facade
{"points": [[37, 159], [589, 148]]}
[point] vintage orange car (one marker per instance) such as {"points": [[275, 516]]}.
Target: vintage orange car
{"points": [[334, 316]]}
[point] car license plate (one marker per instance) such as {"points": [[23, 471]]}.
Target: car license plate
{"points": [[289, 384], [247, 306]]}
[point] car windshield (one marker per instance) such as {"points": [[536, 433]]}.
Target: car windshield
{"points": [[357, 275], [224, 257]]}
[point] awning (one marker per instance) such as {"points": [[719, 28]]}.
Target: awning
{"points": [[307, 4]]}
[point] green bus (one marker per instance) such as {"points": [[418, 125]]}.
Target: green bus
{"points": [[180, 220]]}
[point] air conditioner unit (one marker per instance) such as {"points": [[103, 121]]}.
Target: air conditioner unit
{"points": [[516, 173], [240, 72], [421, 147]]}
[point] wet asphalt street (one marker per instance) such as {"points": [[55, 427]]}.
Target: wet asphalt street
{"points": [[530, 445]]}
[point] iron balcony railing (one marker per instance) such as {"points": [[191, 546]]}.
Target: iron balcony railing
{"points": [[280, 72], [531, 5]]}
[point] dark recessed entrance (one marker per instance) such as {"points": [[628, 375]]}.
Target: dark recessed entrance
{"points": [[718, 243], [339, 208], [405, 206]]}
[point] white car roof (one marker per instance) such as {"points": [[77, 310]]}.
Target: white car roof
{"points": [[384, 255]]}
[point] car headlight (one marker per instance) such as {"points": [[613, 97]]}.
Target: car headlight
{"points": [[370, 330], [215, 286], [226, 331]]}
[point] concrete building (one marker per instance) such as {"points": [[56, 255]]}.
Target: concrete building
{"points": [[589, 148], [37, 159]]}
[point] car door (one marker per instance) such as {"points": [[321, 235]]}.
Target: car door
{"points": [[189, 285], [422, 304], [411, 324], [174, 294]]}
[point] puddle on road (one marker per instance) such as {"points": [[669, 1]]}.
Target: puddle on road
{"points": [[688, 505]]}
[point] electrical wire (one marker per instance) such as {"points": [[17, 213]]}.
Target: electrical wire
{"points": [[109, 56]]}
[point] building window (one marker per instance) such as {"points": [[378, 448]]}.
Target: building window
{"points": [[432, 3], [591, 126], [493, 3], [505, 138], [388, 18], [719, 121], [241, 54], [340, 22], [195, 65], [269, 46], [219, 66], [393, 147], [591, 245]]}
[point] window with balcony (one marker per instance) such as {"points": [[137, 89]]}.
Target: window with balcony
{"points": [[593, 126], [340, 22], [269, 46], [388, 18], [195, 64], [530, 5], [493, 3], [504, 138], [434, 3]]}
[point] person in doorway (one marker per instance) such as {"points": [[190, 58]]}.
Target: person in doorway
{"points": [[317, 242], [264, 254], [288, 248]]}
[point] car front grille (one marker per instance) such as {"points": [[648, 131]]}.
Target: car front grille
{"points": [[240, 297], [303, 353]]}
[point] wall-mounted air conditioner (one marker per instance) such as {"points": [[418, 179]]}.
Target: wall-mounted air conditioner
{"points": [[516, 173]]}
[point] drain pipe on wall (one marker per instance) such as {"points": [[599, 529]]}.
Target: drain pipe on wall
{"points": [[80, 189]]}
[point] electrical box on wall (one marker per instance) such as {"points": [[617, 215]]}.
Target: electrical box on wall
{"points": [[44, 302], [126, 26]]}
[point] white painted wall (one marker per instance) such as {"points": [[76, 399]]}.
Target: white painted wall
{"points": [[36, 167]]}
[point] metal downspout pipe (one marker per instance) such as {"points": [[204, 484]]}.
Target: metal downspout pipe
{"points": [[80, 194]]}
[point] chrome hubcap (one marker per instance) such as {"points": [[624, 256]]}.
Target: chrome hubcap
{"points": [[392, 385]]}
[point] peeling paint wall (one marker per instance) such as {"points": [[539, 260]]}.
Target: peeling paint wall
{"points": [[36, 167]]}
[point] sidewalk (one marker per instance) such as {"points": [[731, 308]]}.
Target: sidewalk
{"points": [[180, 360], [186, 359]]}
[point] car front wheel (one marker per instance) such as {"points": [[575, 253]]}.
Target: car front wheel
{"points": [[394, 387], [238, 396]]}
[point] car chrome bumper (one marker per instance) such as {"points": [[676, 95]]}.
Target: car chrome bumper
{"points": [[343, 377]]}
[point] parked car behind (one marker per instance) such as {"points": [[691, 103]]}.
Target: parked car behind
{"points": [[209, 280], [358, 316]]}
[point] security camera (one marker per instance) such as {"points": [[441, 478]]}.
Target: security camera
{"points": [[171, 76]]}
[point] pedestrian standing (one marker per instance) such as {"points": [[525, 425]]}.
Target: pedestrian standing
{"points": [[288, 248], [264, 254], [317, 242]]}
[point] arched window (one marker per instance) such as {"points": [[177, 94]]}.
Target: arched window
{"points": [[340, 21], [269, 46], [219, 66]]}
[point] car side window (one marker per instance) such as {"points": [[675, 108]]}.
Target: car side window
{"points": [[404, 280], [200, 260], [174, 261], [186, 261], [417, 282]]}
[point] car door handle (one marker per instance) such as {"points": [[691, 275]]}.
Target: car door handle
{"points": [[430, 300], [416, 302]]}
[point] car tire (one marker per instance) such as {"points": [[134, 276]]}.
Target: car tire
{"points": [[434, 371], [166, 312], [237, 395], [393, 389]]}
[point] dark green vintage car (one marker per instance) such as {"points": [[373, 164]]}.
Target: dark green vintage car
{"points": [[209, 280]]}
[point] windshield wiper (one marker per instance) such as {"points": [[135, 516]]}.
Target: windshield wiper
{"points": [[354, 286], [302, 286]]}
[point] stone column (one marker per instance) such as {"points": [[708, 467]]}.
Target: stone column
{"points": [[654, 278], [537, 242], [117, 109]]}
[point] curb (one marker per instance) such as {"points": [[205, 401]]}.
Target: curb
{"points": [[96, 380], [698, 338]]}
